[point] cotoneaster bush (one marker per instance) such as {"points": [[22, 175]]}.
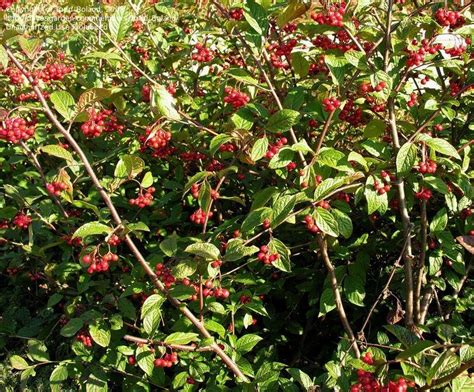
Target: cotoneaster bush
{"points": [[245, 196]]}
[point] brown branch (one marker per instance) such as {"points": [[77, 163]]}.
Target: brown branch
{"points": [[337, 295], [421, 262], [118, 221], [396, 265], [177, 347]]}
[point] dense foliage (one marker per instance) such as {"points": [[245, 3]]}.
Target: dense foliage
{"points": [[224, 195]]}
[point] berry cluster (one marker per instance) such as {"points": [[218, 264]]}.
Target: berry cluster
{"points": [[14, 74], [274, 148], [189, 156], [417, 57], [228, 147], [215, 165], [171, 88], [427, 167], [144, 199], [236, 13], [98, 263], [466, 213], [265, 257], [291, 166], [199, 216], [448, 18], [165, 274], [290, 27], [155, 139], [455, 50], [330, 104], [332, 16], [367, 87], [424, 194], [266, 223], [143, 52], [202, 54], [368, 382], [352, 114], [319, 67], [210, 291], [167, 361], [280, 51], [216, 263], [195, 190], [53, 71], [16, 129], [22, 221], [85, 338], [56, 188], [236, 98], [455, 88], [146, 93], [310, 225], [384, 187], [76, 241], [114, 240], [4, 4], [245, 299], [138, 25], [100, 121], [413, 100], [31, 96]]}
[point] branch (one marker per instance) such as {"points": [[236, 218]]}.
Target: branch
{"points": [[118, 221], [177, 347], [337, 295], [421, 262]]}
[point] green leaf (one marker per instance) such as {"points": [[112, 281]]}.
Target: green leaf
{"points": [[338, 68], [59, 374], [330, 185], [205, 250], [326, 222], [57, 151], [247, 342], [357, 59], [326, 302], [126, 308], [3, 57], [71, 328], [30, 47], [91, 228], [214, 326], [163, 103], [54, 299], [301, 377], [354, 290], [374, 128], [151, 313], [283, 262], [282, 120], [218, 141], [38, 351], [242, 75], [91, 96], [440, 145], [417, 348], [282, 158], [406, 158], [299, 64], [344, 223], [64, 103], [145, 359], [182, 338], [147, 180], [18, 362], [282, 207], [169, 245], [184, 269], [440, 221], [256, 218], [196, 178], [120, 23], [259, 149], [242, 119], [444, 364], [236, 250], [437, 184], [100, 334], [129, 166]]}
